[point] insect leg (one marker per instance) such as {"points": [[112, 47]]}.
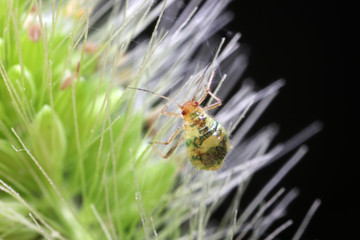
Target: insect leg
{"points": [[171, 138], [202, 98], [169, 114], [172, 149], [214, 105]]}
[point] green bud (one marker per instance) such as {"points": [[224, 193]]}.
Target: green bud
{"points": [[7, 154], [3, 116], [28, 86], [114, 100], [157, 177], [48, 140]]}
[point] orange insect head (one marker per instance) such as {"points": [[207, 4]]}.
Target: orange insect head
{"points": [[189, 107]]}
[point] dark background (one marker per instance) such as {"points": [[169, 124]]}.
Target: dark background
{"points": [[303, 42]]}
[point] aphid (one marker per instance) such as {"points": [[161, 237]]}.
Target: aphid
{"points": [[207, 142]]}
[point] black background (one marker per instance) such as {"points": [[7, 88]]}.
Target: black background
{"points": [[303, 42]]}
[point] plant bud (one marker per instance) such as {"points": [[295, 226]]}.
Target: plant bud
{"points": [[48, 139]]}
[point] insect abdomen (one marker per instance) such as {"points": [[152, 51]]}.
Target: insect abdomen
{"points": [[207, 143]]}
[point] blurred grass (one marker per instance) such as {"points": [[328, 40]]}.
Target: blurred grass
{"points": [[78, 131]]}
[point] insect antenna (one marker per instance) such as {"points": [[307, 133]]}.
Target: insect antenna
{"points": [[201, 80], [154, 93]]}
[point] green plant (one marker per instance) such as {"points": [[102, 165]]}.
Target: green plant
{"points": [[75, 162]]}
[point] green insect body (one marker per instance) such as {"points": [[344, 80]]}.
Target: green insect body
{"points": [[206, 141]]}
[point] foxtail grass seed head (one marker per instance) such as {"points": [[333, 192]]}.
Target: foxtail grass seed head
{"points": [[75, 158]]}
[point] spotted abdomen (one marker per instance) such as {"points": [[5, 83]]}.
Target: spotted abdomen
{"points": [[207, 143]]}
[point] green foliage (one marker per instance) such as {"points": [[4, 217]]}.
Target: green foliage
{"points": [[67, 141]]}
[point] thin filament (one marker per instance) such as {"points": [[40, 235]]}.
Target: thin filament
{"points": [[201, 80], [161, 96]]}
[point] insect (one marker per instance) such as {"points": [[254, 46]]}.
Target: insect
{"points": [[207, 142]]}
